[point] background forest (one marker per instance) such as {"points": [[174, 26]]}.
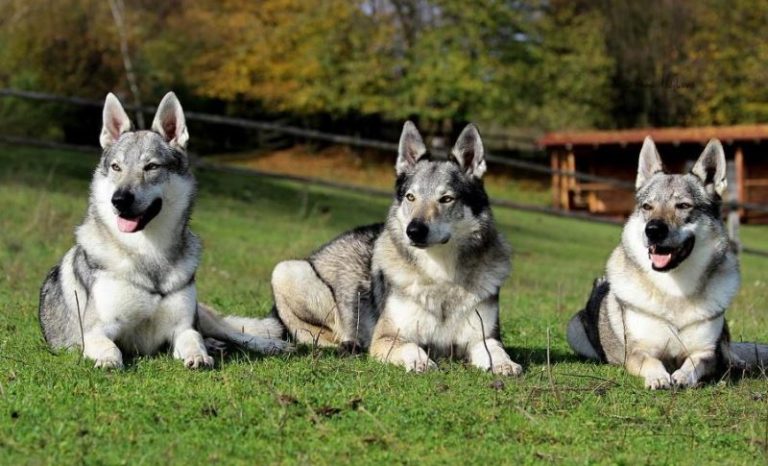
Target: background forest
{"points": [[530, 65]]}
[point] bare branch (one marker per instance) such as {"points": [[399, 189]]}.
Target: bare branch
{"points": [[118, 7]]}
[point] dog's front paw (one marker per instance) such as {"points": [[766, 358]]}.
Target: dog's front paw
{"points": [[657, 381], [420, 365], [109, 359], [507, 368], [415, 359], [109, 363], [685, 378], [197, 361]]}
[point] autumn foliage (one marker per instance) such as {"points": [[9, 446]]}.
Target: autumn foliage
{"points": [[529, 63]]}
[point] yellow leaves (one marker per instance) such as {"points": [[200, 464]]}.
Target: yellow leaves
{"points": [[726, 61], [272, 53], [441, 59], [64, 44]]}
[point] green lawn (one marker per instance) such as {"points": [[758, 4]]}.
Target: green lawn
{"points": [[317, 408]]}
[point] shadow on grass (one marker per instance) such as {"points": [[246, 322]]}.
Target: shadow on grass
{"points": [[527, 356], [235, 354]]}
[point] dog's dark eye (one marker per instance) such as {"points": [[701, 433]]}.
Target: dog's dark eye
{"points": [[410, 197], [647, 206], [151, 166], [683, 206], [115, 167], [446, 199]]}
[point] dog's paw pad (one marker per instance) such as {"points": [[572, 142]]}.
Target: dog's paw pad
{"points": [[507, 369], [198, 361]]}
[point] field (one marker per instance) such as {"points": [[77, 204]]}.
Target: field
{"points": [[313, 407], [374, 169]]}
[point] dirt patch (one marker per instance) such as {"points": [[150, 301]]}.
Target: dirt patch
{"points": [[337, 163], [368, 168]]}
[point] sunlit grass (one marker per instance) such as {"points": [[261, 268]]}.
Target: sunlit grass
{"points": [[317, 408]]}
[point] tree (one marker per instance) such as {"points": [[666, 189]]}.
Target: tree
{"points": [[647, 41], [726, 64], [60, 47], [440, 60]]}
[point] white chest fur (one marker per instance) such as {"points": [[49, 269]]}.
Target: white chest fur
{"points": [[143, 290], [448, 334], [664, 339], [669, 324], [675, 313], [432, 304], [139, 318]]}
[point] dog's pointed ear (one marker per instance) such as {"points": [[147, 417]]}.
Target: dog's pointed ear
{"points": [[411, 148], [469, 152], [649, 164], [114, 121], [169, 121], [710, 168]]}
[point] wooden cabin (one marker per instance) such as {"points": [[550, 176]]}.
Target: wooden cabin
{"points": [[614, 154]]}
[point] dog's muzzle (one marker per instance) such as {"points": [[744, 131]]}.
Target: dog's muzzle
{"points": [[128, 220], [663, 256]]}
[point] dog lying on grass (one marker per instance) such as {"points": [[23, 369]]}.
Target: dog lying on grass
{"points": [[128, 284], [425, 283], [660, 309]]}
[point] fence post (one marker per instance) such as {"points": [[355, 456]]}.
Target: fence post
{"points": [[732, 200], [554, 163]]}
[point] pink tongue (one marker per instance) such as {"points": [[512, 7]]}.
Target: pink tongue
{"points": [[661, 260], [127, 225]]}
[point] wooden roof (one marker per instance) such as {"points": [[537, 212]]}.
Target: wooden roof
{"points": [[726, 134]]}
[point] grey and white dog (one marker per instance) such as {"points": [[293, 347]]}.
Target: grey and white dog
{"points": [[128, 284], [659, 310], [423, 284]]}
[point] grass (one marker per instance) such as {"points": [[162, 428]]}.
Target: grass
{"points": [[317, 408]]}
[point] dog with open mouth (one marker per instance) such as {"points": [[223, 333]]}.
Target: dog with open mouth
{"points": [[660, 308], [128, 284]]}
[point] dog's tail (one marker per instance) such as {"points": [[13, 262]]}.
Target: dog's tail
{"points": [[583, 332], [259, 335], [751, 356]]}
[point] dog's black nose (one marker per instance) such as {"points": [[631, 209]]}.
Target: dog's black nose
{"points": [[123, 200], [417, 231], [656, 230]]}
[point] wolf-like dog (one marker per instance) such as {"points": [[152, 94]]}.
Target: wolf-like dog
{"points": [[423, 284], [128, 284], [659, 309]]}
